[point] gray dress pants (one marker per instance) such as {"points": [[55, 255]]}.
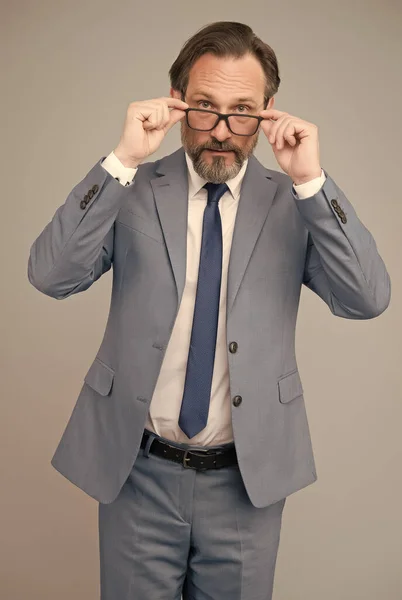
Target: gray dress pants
{"points": [[177, 533]]}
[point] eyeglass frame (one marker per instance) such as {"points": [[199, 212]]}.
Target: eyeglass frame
{"points": [[224, 117]]}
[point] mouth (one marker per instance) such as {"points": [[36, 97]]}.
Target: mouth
{"points": [[219, 151]]}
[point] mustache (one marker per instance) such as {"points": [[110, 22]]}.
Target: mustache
{"points": [[215, 147]]}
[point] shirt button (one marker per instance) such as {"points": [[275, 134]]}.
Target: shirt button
{"points": [[237, 400], [233, 347]]}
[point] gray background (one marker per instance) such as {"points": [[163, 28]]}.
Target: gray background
{"points": [[69, 71]]}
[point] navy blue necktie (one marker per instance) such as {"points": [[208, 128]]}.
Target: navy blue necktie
{"points": [[200, 365]]}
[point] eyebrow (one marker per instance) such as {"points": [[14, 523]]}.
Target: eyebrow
{"points": [[239, 100]]}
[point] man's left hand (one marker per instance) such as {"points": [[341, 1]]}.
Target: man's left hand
{"points": [[294, 143]]}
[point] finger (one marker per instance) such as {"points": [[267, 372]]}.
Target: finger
{"points": [[175, 103], [279, 139], [163, 115], [154, 119], [266, 126], [149, 114], [272, 113], [152, 113], [174, 116], [160, 116], [275, 127], [167, 120], [289, 134], [166, 114]]}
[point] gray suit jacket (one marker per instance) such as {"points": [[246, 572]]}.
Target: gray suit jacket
{"points": [[279, 243]]}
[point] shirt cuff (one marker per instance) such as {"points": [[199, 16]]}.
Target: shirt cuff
{"points": [[112, 165], [306, 190]]}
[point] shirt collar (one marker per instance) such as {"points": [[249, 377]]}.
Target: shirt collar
{"points": [[195, 182]]}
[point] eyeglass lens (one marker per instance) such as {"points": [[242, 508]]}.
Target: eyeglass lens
{"points": [[239, 124]]}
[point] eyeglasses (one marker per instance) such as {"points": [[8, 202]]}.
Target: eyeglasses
{"points": [[206, 120]]}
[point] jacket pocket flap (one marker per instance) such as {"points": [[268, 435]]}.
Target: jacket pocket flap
{"points": [[290, 387], [100, 377]]}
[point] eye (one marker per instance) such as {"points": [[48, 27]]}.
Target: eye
{"points": [[243, 106], [203, 102]]}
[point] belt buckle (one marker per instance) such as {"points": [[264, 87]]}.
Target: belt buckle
{"points": [[186, 459], [206, 451]]}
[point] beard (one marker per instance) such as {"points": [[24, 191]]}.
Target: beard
{"points": [[217, 171]]}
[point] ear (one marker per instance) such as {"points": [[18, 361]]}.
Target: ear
{"points": [[271, 102], [175, 94]]}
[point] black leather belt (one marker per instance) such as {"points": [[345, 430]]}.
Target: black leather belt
{"points": [[198, 459]]}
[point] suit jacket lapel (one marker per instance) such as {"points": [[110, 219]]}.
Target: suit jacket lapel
{"points": [[171, 197], [256, 197], [170, 189]]}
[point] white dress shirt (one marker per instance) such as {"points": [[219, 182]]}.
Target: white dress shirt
{"points": [[164, 411]]}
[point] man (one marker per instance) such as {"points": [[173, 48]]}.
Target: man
{"points": [[209, 251]]}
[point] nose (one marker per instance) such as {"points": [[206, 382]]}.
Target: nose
{"points": [[221, 131]]}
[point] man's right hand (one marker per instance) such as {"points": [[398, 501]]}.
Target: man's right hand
{"points": [[146, 125]]}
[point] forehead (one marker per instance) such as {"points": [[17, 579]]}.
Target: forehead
{"points": [[227, 76]]}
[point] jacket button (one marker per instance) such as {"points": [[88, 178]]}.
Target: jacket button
{"points": [[237, 400], [334, 203], [83, 204], [95, 188], [344, 219], [233, 347], [90, 194]]}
